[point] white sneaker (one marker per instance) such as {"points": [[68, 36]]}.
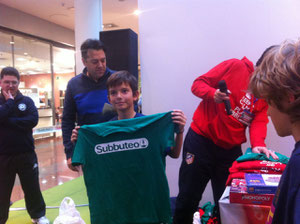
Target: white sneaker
{"points": [[42, 220]]}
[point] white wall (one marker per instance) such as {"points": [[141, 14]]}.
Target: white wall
{"points": [[182, 39], [20, 21]]}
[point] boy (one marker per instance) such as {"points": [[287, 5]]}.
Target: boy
{"points": [[277, 80], [144, 197], [18, 116], [122, 94]]}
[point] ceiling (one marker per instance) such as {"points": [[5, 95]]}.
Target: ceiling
{"points": [[30, 61], [61, 12]]}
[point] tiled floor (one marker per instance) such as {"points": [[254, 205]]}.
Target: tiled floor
{"points": [[52, 166]]}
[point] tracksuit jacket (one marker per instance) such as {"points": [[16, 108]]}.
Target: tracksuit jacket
{"points": [[17, 119], [84, 101]]}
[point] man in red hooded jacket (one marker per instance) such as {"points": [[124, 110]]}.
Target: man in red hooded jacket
{"points": [[214, 139]]}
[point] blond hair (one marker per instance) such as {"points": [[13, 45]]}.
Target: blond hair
{"points": [[278, 77]]}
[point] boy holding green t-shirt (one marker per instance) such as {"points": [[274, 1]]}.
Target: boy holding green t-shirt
{"points": [[122, 94], [124, 159]]}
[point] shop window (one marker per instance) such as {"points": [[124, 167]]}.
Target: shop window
{"points": [[44, 83]]}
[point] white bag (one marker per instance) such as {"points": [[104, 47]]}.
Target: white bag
{"points": [[68, 213], [196, 219]]}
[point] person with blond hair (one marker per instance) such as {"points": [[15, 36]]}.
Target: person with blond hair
{"points": [[277, 80]]}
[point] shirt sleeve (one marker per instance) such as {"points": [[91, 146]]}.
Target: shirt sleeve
{"points": [[258, 127], [78, 157], [205, 85], [29, 120], [68, 121], [6, 109], [296, 212]]}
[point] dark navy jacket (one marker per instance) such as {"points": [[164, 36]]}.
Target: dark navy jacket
{"points": [[84, 101], [285, 208], [17, 119]]}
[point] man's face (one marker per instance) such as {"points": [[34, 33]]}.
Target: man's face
{"points": [[9, 83], [95, 63], [122, 98], [280, 120]]}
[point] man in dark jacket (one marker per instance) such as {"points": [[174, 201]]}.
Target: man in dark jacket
{"points": [[86, 94], [18, 116]]}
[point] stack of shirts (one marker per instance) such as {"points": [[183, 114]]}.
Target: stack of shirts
{"points": [[262, 178]]}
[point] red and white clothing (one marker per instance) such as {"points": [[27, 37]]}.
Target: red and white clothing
{"points": [[211, 120], [214, 140]]}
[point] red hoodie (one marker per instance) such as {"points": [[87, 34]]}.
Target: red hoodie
{"points": [[211, 120]]}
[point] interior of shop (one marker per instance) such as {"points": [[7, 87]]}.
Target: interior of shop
{"points": [[45, 69]]}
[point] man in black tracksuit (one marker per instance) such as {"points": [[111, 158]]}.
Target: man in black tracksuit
{"points": [[18, 115]]}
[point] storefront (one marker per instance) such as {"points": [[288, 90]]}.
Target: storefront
{"points": [[45, 68]]}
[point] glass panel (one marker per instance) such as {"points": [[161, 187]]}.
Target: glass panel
{"points": [[64, 70], [5, 50], [32, 59]]}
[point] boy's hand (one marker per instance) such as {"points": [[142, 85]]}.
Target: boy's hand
{"points": [[74, 135], [7, 95], [74, 168], [261, 149], [180, 119]]}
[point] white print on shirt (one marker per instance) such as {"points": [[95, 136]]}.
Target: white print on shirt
{"points": [[242, 112], [124, 145]]}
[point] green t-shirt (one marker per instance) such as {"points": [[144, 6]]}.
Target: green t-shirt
{"points": [[249, 155], [124, 169]]}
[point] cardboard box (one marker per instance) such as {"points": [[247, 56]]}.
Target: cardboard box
{"points": [[238, 194], [262, 183]]}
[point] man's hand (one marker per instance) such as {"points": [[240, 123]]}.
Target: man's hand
{"points": [[74, 168], [261, 149], [219, 97], [74, 135], [7, 95]]}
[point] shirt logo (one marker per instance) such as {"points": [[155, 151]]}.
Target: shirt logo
{"points": [[22, 107], [189, 159], [125, 145]]}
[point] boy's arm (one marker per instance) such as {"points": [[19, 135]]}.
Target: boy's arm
{"points": [[180, 119], [175, 151]]}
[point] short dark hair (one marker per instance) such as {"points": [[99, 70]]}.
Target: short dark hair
{"points": [[120, 77], [259, 61], [10, 71], [93, 44]]}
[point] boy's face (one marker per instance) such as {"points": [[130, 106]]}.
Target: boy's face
{"points": [[10, 83], [280, 120], [122, 98]]}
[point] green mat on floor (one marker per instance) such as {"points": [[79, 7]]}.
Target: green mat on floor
{"points": [[74, 189]]}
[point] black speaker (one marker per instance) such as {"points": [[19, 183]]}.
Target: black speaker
{"points": [[121, 50]]}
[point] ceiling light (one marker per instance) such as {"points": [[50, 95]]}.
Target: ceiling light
{"points": [[109, 25], [21, 59], [137, 12]]}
